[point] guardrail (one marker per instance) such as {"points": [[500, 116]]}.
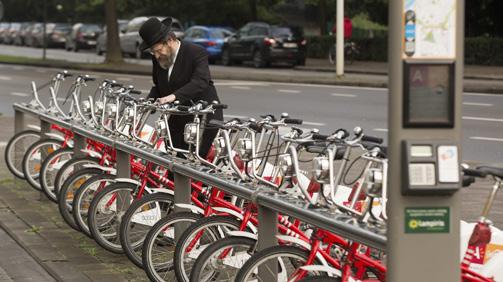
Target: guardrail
{"points": [[269, 202]]}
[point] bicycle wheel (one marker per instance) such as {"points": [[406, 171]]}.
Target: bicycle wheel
{"points": [[158, 247], [222, 260], [33, 158], [286, 258], [15, 149], [332, 55], [321, 279], [84, 196], [50, 167], [105, 214], [67, 169], [139, 219], [65, 200], [196, 238]]}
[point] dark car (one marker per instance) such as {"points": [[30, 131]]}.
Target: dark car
{"points": [[82, 36], [211, 38], [101, 42], [130, 39], [264, 44], [55, 35]]}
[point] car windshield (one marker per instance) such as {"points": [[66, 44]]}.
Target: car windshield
{"points": [[286, 32], [63, 28]]}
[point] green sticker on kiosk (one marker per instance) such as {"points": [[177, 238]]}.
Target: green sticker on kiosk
{"points": [[427, 220]]}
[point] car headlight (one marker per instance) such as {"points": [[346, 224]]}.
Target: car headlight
{"points": [[285, 164], [321, 169], [245, 149], [161, 128], [86, 107], [374, 181], [190, 133]]}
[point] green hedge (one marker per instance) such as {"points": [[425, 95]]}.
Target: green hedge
{"points": [[478, 50]]}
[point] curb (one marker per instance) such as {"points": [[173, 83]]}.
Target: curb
{"points": [[145, 70]]}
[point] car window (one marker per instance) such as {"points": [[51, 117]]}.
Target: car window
{"points": [[198, 33], [244, 30], [63, 28], [286, 32], [90, 28], [219, 33], [259, 31]]}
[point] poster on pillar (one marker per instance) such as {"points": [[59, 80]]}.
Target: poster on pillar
{"points": [[429, 29]]}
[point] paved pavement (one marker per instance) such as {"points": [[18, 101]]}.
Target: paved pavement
{"points": [[370, 74]]}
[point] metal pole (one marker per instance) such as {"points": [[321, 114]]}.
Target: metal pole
{"points": [[44, 39], [45, 127], [340, 39], [267, 230], [123, 171], [182, 196], [18, 121], [423, 256]]}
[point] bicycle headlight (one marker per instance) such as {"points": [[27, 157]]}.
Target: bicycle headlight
{"points": [[86, 107], [374, 181], [245, 149], [98, 109], [219, 144], [129, 115], [321, 169], [190, 133], [285, 164], [111, 110], [161, 128]]}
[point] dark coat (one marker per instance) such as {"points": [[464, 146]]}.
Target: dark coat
{"points": [[190, 82]]}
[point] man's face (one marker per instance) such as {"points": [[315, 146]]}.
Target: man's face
{"points": [[164, 53]]}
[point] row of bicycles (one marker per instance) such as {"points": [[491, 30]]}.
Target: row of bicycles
{"points": [[214, 237]]}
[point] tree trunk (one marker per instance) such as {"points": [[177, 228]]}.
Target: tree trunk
{"points": [[322, 9], [253, 9], [113, 53]]}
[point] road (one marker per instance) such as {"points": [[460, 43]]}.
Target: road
{"points": [[320, 106]]}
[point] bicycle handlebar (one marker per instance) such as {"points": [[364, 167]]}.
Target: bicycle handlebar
{"points": [[372, 139]]}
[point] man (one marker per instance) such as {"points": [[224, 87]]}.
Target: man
{"points": [[180, 72]]}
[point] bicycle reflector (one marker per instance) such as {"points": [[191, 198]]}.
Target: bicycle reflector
{"points": [[285, 164], [374, 180], [161, 128], [321, 169], [190, 133], [245, 149]]}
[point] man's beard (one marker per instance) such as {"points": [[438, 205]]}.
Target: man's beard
{"points": [[166, 61]]}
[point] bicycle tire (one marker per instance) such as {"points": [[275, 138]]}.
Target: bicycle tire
{"points": [[212, 252], [274, 252], [83, 198], [98, 209], [162, 234], [132, 245], [67, 169], [48, 173], [211, 224], [34, 157], [13, 157], [65, 199]]}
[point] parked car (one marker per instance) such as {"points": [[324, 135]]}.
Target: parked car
{"points": [[4, 27], [264, 44], [130, 39], [211, 38], [10, 34], [101, 42], [55, 34], [21, 34], [82, 36]]}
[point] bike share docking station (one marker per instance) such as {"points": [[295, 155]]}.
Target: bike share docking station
{"points": [[425, 85]]}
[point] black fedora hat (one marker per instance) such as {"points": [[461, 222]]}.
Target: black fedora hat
{"points": [[153, 31]]}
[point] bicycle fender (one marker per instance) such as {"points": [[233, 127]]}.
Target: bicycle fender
{"points": [[190, 207], [236, 214], [163, 190], [323, 268], [243, 234], [91, 153], [55, 136], [111, 170], [301, 243], [128, 180], [34, 127]]}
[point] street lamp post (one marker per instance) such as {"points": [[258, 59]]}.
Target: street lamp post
{"points": [[339, 54]]}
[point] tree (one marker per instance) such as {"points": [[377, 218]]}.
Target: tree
{"points": [[114, 53]]}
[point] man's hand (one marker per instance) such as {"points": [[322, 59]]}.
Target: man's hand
{"points": [[167, 99]]}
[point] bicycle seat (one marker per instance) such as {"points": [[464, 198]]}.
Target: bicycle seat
{"points": [[492, 170]]}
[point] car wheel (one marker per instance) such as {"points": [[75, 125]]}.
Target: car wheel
{"points": [[226, 58], [258, 59]]}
